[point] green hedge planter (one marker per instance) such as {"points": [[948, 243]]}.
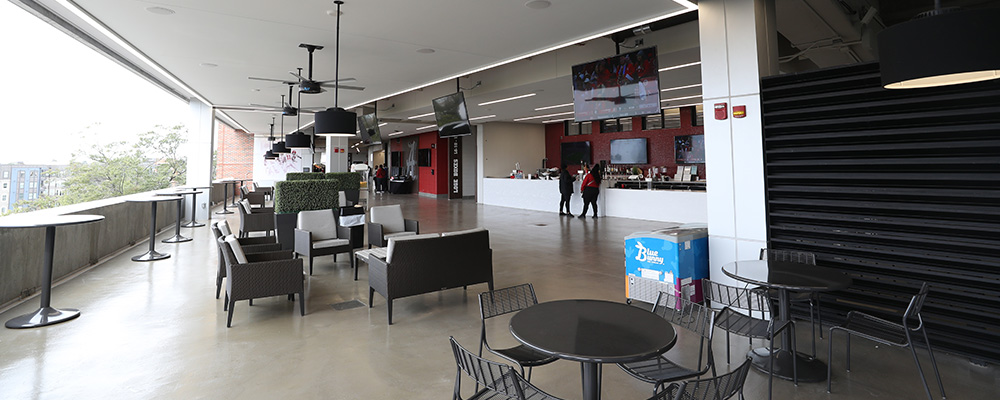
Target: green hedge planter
{"points": [[304, 195], [300, 176]]}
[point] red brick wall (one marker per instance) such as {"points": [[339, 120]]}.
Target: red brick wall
{"points": [[660, 142], [235, 153]]}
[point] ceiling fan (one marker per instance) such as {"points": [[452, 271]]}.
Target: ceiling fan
{"points": [[286, 108], [308, 85]]}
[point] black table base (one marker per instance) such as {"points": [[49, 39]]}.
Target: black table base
{"points": [[194, 213], [193, 224], [151, 255], [810, 369], [42, 317], [225, 199], [177, 238]]}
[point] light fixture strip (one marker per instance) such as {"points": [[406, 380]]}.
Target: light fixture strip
{"points": [[543, 116], [232, 121], [110, 34], [483, 117], [425, 127], [420, 116], [396, 133], [681, 87], [680, 105], [556, 120], [383, 124], [681, 98], [555, 106], [507, 99], [688, 7], [680, 66]]}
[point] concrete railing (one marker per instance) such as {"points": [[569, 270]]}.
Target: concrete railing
{"points": [[77, 246]]}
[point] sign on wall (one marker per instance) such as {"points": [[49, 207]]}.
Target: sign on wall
{"points": [[455, 168]]}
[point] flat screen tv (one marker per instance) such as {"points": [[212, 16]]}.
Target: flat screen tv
{"points": [[621, 86], [575, 153], [451, 115], [368, 124], [629, 151], [424, 157], [689, 149]]}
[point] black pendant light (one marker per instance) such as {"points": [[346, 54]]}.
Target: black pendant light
{"points": [[279, 146], [298, 139], [941, 47], [336, 121], [269, 154]]}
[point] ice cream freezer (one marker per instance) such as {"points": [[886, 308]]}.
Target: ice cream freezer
{"points": [[673, 260]]}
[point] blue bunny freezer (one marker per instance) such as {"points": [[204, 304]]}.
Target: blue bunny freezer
{"points": [[671, 260]]}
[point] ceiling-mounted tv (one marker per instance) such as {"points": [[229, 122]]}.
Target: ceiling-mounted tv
{"points": [[575, 153], [689, 149], [621, 86], [629, 151], [451, 115], [368, 124]]}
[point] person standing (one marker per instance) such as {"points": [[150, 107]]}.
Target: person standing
{"points": [[380, 178], [591, 188], [565, 189]]}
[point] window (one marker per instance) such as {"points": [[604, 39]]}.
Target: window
{"points": [[672, 118], [6, 174], [651, 122], [570, 128], [585, 128], [5, 185], [617, 125], [4, 198], [699, 116]]}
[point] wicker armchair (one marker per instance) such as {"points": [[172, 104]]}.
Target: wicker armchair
{"points": [[318, 233], [255, 219], [250, 245], [256, 199], [252, 276], [387, 222], [268, 191]]}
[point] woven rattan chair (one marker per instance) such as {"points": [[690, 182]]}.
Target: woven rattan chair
{"points": [[250, 246], [252, 276], [692, 317], [499, 381], [718, 388], [888, 333], [753, 302], [810, 298], [256, 199], [495, 303], [255, 219], [268, 191], [318, 233], [388, 222]]}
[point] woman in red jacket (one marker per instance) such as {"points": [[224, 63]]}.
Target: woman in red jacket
{"points": [[591, 188]]}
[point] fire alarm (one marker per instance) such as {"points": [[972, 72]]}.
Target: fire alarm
{"points": [[739, 111], [721, 111]]}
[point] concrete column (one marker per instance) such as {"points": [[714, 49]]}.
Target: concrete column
{"points": [[201, 130], [738, 47], [336, 162]]}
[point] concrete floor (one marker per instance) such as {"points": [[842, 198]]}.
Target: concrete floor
{"points": [[155, 330]]}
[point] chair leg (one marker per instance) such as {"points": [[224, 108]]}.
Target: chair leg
{"points": [[225, 303], [829, 361], [812, 323], [371, 296], [770, 369], [727, 347], [218, 287], [920, 371], [795, 354], [933, 363], [819, 316], [310, 265], [302, 303], [389, 310], [229, 320], [848, 352]]}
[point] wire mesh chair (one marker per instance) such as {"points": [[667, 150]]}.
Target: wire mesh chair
{"points": [[495, 303], [735, 298], [717, 388], [888, 333], [812, 298], [499, 381], [682, 313]]}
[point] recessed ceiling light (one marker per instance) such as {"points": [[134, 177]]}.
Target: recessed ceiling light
{"points": [[557, 120], [425, 51], [680, 66], [543, 116], [160, 10], [483, 117], [680, 87], [555, 106], [538, 4], [507, 99], [420, 116], [383, 124], [425, 127]]}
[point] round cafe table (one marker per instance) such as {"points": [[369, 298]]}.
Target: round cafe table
{"points": [[593, 332], [46, 314], [194, 191], [178, 238], [785, 276], [225, 195], [152, 254]]}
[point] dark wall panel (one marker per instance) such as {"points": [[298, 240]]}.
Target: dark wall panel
{"points": [[894, 187]]}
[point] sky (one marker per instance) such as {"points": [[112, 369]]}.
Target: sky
{"points": [[86, 93]]}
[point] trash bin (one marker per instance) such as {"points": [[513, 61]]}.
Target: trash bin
{"points": [[673, 260]]}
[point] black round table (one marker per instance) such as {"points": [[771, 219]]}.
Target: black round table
{"points": [[225, 195], [785, 276], [593, 332], [178, 238], [236, 191], [46, 314], [194, 191], [152, 254]]}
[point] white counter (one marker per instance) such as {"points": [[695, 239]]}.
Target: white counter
{"points": [[654, 205]]}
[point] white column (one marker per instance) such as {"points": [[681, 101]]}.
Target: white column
{"points": [[201, 136], [336, 162], [738, 46]]}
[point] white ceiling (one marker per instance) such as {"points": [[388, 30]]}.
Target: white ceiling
{"points": [[379, 43]]}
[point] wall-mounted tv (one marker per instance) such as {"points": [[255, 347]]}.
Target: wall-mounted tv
{"points": [[424, 157], [629, 151], [451, 115], [689, 149], [621, 86], [368, 124], [575, 153]]}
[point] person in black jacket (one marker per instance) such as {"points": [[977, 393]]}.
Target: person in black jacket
{"points": [[565, 189]]}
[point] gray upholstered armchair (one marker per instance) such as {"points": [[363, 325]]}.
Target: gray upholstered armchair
{"points": [[255, 198], [318, 233], [259, 219], [388, 222], [252, 276], [268, 191], [250, 245]]}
